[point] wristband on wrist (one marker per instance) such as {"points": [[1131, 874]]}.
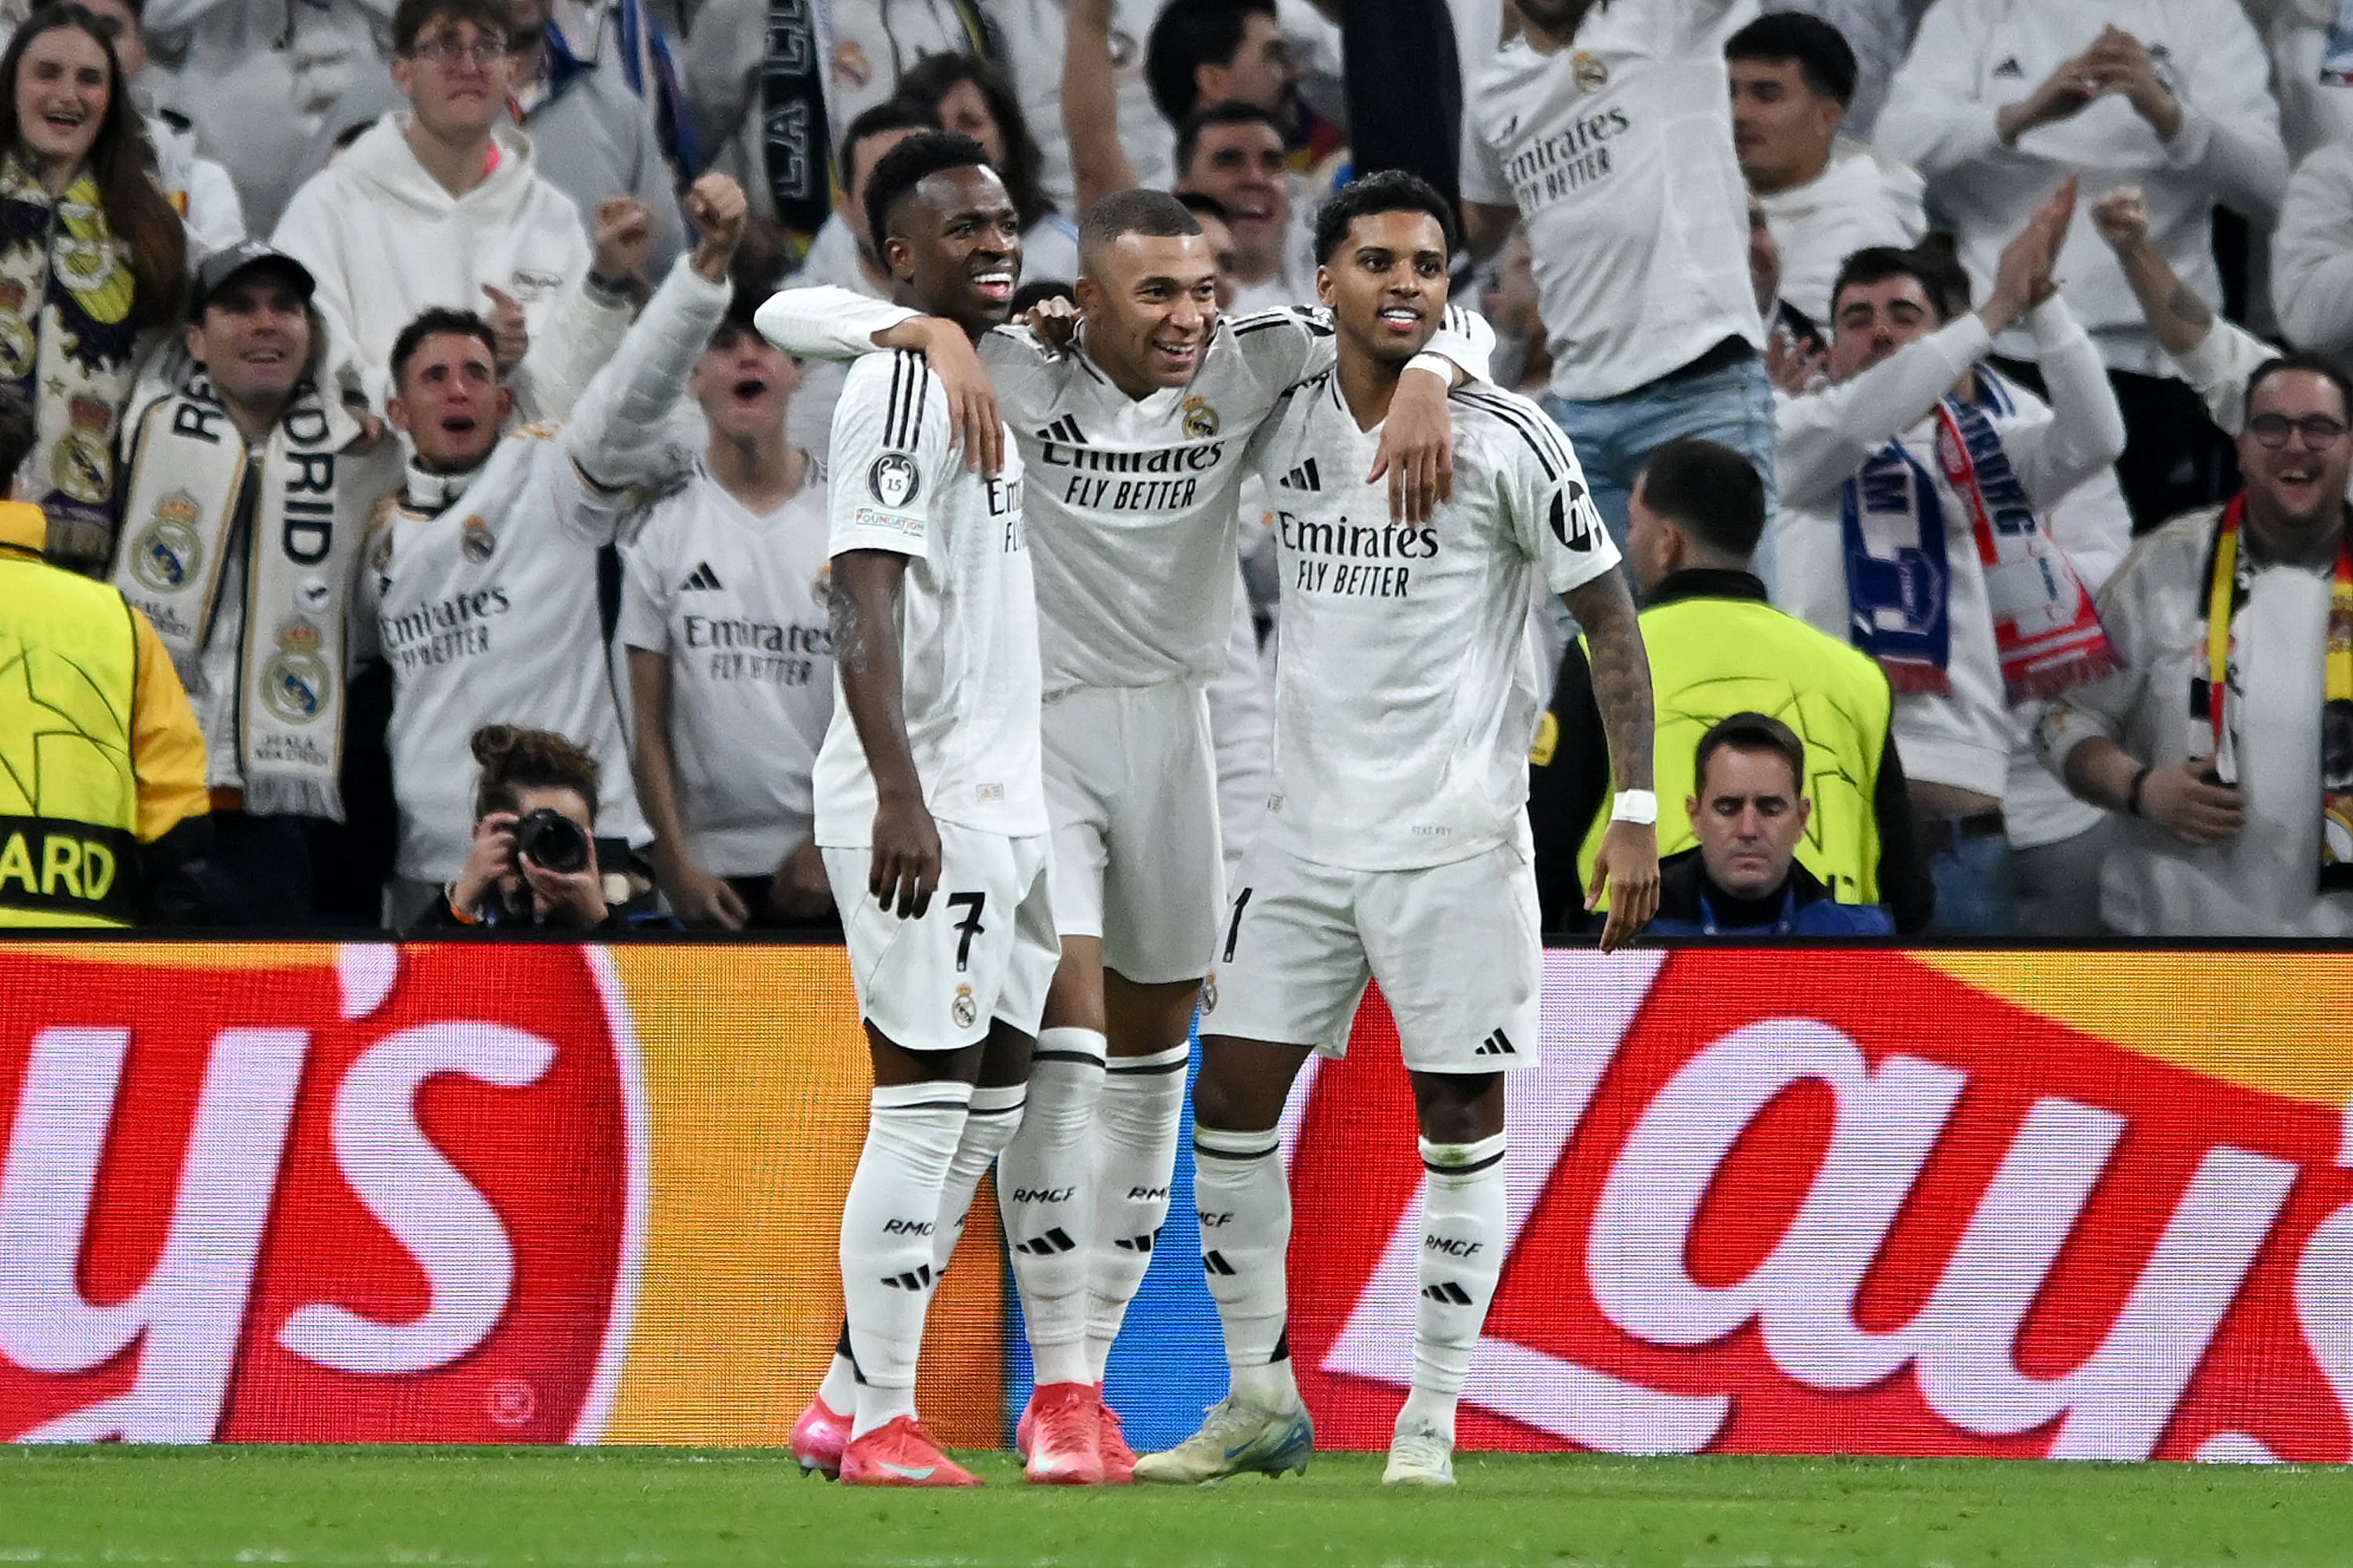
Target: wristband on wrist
{"points": [[1640, 807], [2132, 794], [1437, 363]]}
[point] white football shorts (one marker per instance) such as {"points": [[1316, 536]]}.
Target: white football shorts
{"points": [[1132, 793], [985, 949], [1455, 946]]}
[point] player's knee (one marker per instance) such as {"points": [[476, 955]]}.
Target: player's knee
{"points": [[1230, 1097], [1459, 1107]]}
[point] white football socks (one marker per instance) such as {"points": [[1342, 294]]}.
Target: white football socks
{"points": [[996, 1117], [995, 1113], [1463, 1225], [1045, 1193], [1244, 1201], [1135, 1155], [888, 1223]]}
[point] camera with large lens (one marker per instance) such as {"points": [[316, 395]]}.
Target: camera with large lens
{"points": [[552, 839]]}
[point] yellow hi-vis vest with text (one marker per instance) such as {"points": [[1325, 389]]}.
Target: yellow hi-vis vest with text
{"points": [[1712, 657], [69, 793]]}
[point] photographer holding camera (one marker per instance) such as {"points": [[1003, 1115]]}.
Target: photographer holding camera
{"points": [[533, 859]]}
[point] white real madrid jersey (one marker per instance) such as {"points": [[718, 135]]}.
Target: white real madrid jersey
{"points": [[967, 619], [1407, 696], [1131, 501], [735, 603], [486, 611], [1617, 153]]}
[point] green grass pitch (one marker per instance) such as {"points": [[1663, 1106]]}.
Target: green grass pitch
{"points": [[636, 1508]]}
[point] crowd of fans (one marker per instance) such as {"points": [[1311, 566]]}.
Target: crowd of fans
{"points": [[400, 367]]}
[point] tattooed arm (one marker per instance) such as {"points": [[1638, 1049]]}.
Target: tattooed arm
{"points": [[864, 609], [1628, 866]]}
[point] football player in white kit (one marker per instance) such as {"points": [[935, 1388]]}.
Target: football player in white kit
{"points": [[1396, 844], [1133, 448], [931, 813]]}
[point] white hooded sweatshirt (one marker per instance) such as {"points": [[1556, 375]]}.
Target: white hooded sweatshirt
{"points": [[1862, 196], [387, 240]]}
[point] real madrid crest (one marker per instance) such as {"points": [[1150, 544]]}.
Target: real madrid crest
{"points": [[1200, 419], [893, 480], [168, 550], [1590, 73], [476, 539], [294, 682], [1209, 994], [964, 1009], [17, 343], [83, 466]]}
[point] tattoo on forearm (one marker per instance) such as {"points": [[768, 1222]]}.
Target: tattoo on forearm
{"points": [[850, 646], [2187, 305], [1622, 675]]}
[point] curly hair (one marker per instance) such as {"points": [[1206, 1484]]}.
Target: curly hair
{"points": [[514, 759]]}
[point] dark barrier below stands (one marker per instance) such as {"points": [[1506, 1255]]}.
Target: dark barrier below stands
{"points": [[2087, 1205]]}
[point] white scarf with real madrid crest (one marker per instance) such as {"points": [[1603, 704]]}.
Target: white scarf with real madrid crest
{"points": [[186, 466]]}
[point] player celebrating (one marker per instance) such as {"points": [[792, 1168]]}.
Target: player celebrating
{"points": [[1135, 444], [930, 811], [1396, 844]]}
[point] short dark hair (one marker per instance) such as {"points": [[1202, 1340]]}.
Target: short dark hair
{"points": [[2311, 363], [514, 759], [1389, 190], [440, 319], [759, 266], [891, 115], [1153, 213], [1189, 35], [1710, 491], [1878, 263], [1189, 130], [1030, 295], [18, 431], [1201, 206], [1749, 732], [409, 18], [1824, 57], [909, 165]]}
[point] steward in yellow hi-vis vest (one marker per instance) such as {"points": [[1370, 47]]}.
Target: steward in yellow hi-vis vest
{"points": [[102, 797], [1717, 648]]}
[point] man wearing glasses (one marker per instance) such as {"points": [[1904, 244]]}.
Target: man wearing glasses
{"points": [[2227, 738], [440, 205]]}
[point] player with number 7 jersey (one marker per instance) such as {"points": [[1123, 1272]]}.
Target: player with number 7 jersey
{"points": [[931, 815], [1130, 445]]}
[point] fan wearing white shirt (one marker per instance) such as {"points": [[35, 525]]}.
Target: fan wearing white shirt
{"points": [[1792, 79], [1133, 444], [1396, 845], [2000, 98], [480, 572], [1606, 128], [730, 656], [1914, 524]]}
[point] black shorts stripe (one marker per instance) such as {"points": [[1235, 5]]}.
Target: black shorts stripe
{"points": [[1436, 1169]]}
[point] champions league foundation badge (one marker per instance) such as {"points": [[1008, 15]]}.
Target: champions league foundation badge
{"points": [[476, 538], [964, 1009], [168, 551], [893, 480], [1200, 419], [294, 682]]}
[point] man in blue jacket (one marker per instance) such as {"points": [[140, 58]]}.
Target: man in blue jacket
{"points": [[1744, 879]]}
